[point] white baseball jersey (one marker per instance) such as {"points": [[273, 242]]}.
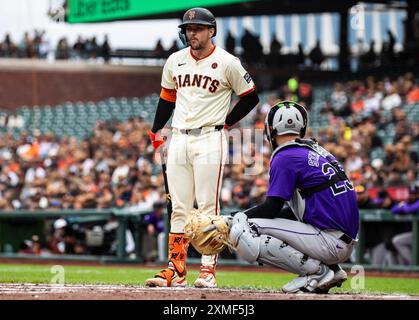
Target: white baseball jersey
{"points": [[204, 86]]}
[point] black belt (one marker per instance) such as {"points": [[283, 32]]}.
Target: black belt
{"points": [[198, 130], [345, 238]]}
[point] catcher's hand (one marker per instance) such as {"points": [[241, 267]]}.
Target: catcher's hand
{"points": [[208, 234], [218, 225]]}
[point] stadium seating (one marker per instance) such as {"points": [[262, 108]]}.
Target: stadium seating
{"points": [[78, 118]]}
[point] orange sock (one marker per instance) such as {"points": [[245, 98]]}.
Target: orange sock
{"points": [[178, 247]]}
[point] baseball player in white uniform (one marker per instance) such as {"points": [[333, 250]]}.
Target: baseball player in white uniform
{"points": [[197, 83]]}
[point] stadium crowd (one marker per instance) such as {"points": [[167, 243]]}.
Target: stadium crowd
{"points": [[37, 44], [117, 167]]}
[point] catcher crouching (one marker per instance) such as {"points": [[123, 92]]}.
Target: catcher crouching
{"points": [[310, 236]]}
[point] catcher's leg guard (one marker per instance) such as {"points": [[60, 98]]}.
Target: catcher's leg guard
{"points": [[175, 274], [252, 247]]}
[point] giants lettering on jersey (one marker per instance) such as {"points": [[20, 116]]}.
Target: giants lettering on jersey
{"points": [[196, 80]]}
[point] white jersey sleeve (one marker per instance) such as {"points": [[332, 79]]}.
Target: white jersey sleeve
{"points": [[167, 75], [239, 79]]}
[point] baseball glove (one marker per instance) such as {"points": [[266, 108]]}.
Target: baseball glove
{"points": [[207, 234]]}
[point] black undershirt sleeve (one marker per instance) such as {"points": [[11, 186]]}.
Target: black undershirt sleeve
{"points": [[163, 113], [242, 108], [269, 209]]}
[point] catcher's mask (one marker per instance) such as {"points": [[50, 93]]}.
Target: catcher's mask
{"points": [[196, 16], [286, 117]]}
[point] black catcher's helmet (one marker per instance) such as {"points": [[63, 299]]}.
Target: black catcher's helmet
{"points": [[198, 16]]}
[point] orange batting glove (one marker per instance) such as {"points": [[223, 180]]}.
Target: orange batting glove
{"points": [[156, 139]]}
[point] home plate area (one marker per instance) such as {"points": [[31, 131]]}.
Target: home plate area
{"points": [[27, 291]]}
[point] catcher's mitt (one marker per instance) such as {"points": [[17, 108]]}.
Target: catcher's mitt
{"points": [[207, 234]]}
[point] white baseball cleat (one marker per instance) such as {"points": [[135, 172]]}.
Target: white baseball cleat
{"points": [[166, 278], [311, 282], [206, 278]]}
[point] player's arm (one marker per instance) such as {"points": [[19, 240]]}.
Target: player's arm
{"points": [[278, 192], [167, 100], [246, 103], [166, 104], [269, 209], [243, 85], [165, 109]]}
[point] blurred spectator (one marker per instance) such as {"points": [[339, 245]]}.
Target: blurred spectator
{"points": [[32, 246], [92, 48], [230, 43], [8, 48], [44, 45], [274, 57], [79, 48], [364, 199], [413, 95], [252, 49], [301, 58], [340, 101], [316, 56], [159, 51], [403, 242], [383, 200], [27, 46], [392, 99], [62, 51], [110, 229], [153, 239], [174, 48], [369, 59], [105, 49], [62, 241]]}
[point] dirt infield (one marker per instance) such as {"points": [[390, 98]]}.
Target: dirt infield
{"points": [[120, 292]]}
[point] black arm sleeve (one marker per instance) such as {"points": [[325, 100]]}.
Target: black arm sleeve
{"points": [[269, 209], [242, 108], [163, 113]]}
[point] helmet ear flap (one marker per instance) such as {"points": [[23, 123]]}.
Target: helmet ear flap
{"points": [[270, 132], [182, 37], [303, 112]]}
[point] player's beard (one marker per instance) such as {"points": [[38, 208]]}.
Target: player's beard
{"points": [[196, 45]]}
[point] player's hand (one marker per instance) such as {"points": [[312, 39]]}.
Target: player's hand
{"points": [[227, 219], [156, 139]]}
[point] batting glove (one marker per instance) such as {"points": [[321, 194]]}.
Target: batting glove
{"points": [[156, 139]]}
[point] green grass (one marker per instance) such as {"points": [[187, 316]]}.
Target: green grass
{"points": [[13, 273]]}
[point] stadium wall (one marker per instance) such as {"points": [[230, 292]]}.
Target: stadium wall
{"points": [[34, 82]]}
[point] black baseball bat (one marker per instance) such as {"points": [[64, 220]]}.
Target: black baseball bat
{"points": [[166, 185]]}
